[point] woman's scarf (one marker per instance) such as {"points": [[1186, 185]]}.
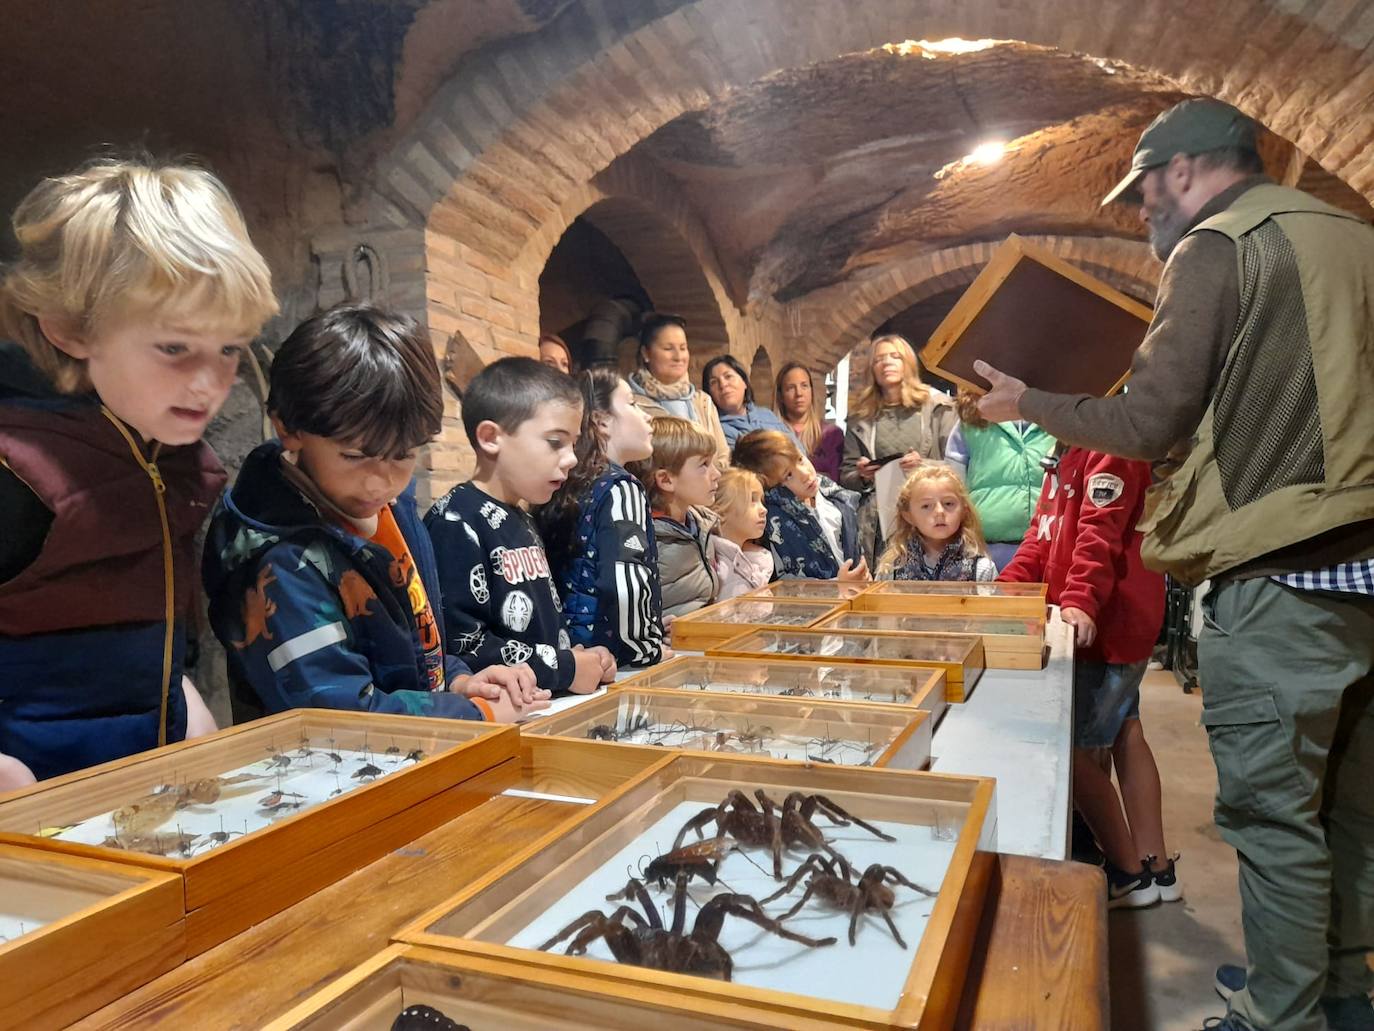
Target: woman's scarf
{"points": [[659, 390]]}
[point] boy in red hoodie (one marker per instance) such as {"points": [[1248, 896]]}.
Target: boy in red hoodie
{"points": [[1084, 544]]}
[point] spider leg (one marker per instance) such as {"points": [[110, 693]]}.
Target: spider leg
{"points": [[712, 917], [896, 877], [841, 817], [809, 864], [696, 823]]}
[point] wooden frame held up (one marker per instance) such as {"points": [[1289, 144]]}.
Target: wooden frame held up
{"points": [[1042, 319]]}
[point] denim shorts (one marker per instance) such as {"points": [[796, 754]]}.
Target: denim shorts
{"points": [[1105, 696]]}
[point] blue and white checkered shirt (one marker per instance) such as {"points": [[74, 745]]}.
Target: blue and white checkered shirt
{"points": [[1348, 578]]}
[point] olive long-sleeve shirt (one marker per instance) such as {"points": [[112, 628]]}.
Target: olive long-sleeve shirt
{"points": [[1175, 370]]}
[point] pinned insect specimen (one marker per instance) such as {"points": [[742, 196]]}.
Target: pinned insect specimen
{"points": [[603, 732], [217, 838], [278, 761], [368, 772], [425, 1018], [755, 739], [279, 797], [831, 881], [414, 756], [643, 941]]}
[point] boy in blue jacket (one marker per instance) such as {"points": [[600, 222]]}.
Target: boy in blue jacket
{"points": [[321, 579]]}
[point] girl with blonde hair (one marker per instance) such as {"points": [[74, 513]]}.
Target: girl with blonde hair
{"points": [[896, 418], [939, 536], [741, 563]]}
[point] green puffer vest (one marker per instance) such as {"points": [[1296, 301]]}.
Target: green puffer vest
{"points": [[1004, 475], [1283, 451]]}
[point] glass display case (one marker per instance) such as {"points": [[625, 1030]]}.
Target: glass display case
{"points": [[826, 896], [762, 726], [1009, 642], [961, 658], [703, 628], [319, 792], [953, 598], [77, 933], [923, 687]]}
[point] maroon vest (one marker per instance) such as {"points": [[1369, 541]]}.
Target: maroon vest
{"points": [[102, 561]]}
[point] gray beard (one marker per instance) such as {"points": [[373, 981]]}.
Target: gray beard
{"points": [[1166, 230]]}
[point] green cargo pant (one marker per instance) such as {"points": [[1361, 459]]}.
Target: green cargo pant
{"points": [[1288, 702]]}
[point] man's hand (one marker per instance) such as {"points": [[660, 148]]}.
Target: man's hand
{"points": [[1084, 629], [516, 683], [1003, 402]]}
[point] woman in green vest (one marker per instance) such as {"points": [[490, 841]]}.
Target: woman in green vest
{"points": [[1000, 463]]}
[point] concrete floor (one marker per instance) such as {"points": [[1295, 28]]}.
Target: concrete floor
{"points": [[1163, 958]]}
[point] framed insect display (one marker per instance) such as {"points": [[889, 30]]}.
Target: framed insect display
{"points": [[953, 598], [1042, 319], [755, 726], [404, 988], [837, 591], [317, 792], [923, 687], [1009, 642], [706, 627], [77, 933], [825, 896], [961, 658]]}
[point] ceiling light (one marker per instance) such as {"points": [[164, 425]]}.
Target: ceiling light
{"points": [[988, 153], [930, 49]]}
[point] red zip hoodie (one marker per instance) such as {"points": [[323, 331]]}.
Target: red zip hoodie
{"points": [[1082, 541]]}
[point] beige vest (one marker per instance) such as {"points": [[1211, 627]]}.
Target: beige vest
{"points": [[1285, 450]]}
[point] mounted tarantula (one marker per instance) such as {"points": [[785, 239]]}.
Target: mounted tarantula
{"points": [[871, 894], [644, 942], [762, 826]]}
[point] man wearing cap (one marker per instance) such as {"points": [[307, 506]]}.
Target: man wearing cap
{"points": [[1256, 380]]}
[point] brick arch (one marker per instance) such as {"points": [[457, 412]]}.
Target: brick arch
{"points": [[502, 144], [830, 323]]}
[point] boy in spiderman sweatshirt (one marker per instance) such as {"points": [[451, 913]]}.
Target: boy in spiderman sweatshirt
{"points": [[1084, 544]]}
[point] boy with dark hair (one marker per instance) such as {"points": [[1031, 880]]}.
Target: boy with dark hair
{"points": [[322, 582], [500, 603]]}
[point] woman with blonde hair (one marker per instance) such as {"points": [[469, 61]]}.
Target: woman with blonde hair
{"points": [[794, 398], [938, 535], [898, 418]]}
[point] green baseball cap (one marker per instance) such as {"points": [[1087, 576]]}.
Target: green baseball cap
{"points": [[1189, 127]]}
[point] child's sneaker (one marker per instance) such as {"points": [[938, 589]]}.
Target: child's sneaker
{"points": [[1130, 890], [1166, 880], [1229, 980]]}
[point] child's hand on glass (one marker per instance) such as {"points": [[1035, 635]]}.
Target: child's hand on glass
{"points": [[850, 573], [14, 774], [517, 683], [505, 710], [1084, 629], [588, 671], [608, 664], [668, 629]]}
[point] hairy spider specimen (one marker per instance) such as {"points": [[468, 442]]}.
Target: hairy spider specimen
{"points": [[643, 941], [766, 825], [425, 1018], [830, 879]]}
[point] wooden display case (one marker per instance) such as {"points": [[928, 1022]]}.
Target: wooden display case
{"points": [[946, 597], [77, 933], [249, 821], [577, 771], [1008, 643], [1043, 320], [809, 590], [843, 682], [961, 658], [706, 627], [478, 992], [754, 726], [522, 911]]}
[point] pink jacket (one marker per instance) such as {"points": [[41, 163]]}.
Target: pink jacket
{"points": [[739, 571]]}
